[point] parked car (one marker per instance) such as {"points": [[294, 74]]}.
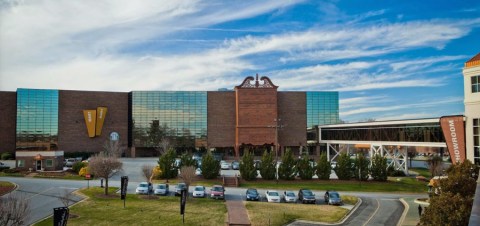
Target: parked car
{"points": [[333, 164], [198, 172], [3, 166], [179, 187], [161, 189], [290, 196], [257, 164], [306, 196], [199, 191], [235, 165], [69, 162], [333, 198], [224, 165], [217, 192], [252, 194], [272, 196], [144, 188]]}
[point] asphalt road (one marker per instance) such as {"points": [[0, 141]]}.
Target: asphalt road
{"points": [[43, 194]]}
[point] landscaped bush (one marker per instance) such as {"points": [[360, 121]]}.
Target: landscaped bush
{"points": [[157, 172], [286, 170], [2, 168], [344, 169], [361, 167], [305, 169], [83, 171], [78, 166], [6, 156], [11, 171], [267, 167], [324, 168], [166, 163], [210, 167], [247, 167], [378, 170], [392, 172]]}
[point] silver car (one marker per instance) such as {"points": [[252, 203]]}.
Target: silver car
{"points": [[161, 189]]}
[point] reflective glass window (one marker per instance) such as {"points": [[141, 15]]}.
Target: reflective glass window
{"points": [[37, 119], [322, 108], [179, 116]]}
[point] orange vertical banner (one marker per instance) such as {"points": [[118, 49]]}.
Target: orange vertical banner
{"points": [[90, 121], [454, 131], [101, 113]]}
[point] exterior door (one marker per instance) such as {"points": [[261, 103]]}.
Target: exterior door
{"points": [[39, 164]]}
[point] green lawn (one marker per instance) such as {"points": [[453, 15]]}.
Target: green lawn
{"points": [[143, 211], [394, 184], [3, 174], [422, 172], [263, 213]]}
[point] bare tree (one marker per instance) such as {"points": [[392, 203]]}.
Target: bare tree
{"points": [[66, 197], [147, 171], [14, 210], [112, 148], [187, 173], [163, 145], [435, 165], [104, 167]]}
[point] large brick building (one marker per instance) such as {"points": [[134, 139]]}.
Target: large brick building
{"points": [[255, 115]]}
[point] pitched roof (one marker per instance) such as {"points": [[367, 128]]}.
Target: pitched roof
{"points": [[475, 61]]}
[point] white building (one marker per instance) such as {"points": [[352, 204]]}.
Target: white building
{"points": [[471, 78]]}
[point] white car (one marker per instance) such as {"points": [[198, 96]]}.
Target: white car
{"points": [[161, 189], [224, 165], [290, 196], [198, 172], [272, 196], [199, 191], [144, 188]]}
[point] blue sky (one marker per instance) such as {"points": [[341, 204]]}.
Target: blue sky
{"points": [[388, 59]]}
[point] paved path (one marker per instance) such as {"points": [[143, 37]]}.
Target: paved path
{"points": [[237, 213]]}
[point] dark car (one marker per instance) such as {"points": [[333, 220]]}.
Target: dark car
{"points": [[252, 194], [235, 165], [333, 198], [179, 187], [217, 192], [306, 196]]}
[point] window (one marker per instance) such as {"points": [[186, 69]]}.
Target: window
{"points": [[49, 162], [21, 163], [475, 84]]}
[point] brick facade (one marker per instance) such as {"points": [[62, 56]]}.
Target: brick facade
{"points": [[293, 114], [221, 119], [72, 131], [8, 119]]}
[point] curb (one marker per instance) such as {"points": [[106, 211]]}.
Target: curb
{"points": [[84, 198], [405, 211], [15, 187], [359, 202]]}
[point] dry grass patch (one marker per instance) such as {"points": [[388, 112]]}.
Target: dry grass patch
{"points": [[263, 213], [139, 211], [6, 187], [351, 200]]}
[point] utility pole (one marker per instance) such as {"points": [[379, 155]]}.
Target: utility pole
{"points": [[276, 126]]}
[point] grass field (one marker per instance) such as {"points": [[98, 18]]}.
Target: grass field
{"points": [[394, 184], [140, 210], [422, 172], [263, 213]]}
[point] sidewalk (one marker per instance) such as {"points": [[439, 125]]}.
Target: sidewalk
{"points": [[411, 218], [237, 213]]}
